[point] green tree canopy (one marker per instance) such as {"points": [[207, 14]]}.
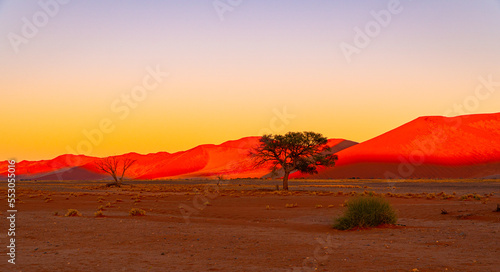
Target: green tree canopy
{"points": [[301, 151]]}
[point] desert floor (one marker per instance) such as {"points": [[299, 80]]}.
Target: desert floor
{"points": [[244, 225]]}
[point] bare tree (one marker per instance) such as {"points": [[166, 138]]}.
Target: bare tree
{"points": [[115, 167], [220, 177], [301, 151]]}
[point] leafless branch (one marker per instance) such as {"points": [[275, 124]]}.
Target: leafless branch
{"points": [[114, 166]]}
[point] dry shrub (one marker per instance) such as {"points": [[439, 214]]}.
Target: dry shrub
{"points": [[470, 197], [73, 212], [98, 214], [137, 212]]}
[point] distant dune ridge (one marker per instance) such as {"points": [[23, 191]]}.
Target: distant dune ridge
{"points": [[428, 147]]}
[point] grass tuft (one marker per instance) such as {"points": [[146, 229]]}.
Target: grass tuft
{"points": [[366, 212], [469, 197], [98, 214], [73, 212], [137, 212]]}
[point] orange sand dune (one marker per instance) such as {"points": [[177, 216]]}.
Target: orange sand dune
{"points": [[229, 159], [462, 140], [35, 169], [428, 147]]}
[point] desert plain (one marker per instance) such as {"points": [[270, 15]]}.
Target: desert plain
{"points": [[248, 225]]}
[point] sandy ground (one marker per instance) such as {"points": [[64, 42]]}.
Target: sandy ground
{"points": [[245, 226]]}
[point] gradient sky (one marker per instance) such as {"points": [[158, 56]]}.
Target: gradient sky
{"points": [[233, 78]]}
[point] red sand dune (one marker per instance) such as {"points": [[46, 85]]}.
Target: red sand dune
{"points": [[427, 147], [36, 169], [229, 159]]}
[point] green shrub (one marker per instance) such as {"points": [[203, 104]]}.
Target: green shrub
{"points": [[366, 212]]}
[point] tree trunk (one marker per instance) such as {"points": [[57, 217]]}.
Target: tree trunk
{"points": [[285, 180], [117, 182]]}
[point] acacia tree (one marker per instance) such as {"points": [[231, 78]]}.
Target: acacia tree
{"points": [[115, 167], [301, 151]]}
